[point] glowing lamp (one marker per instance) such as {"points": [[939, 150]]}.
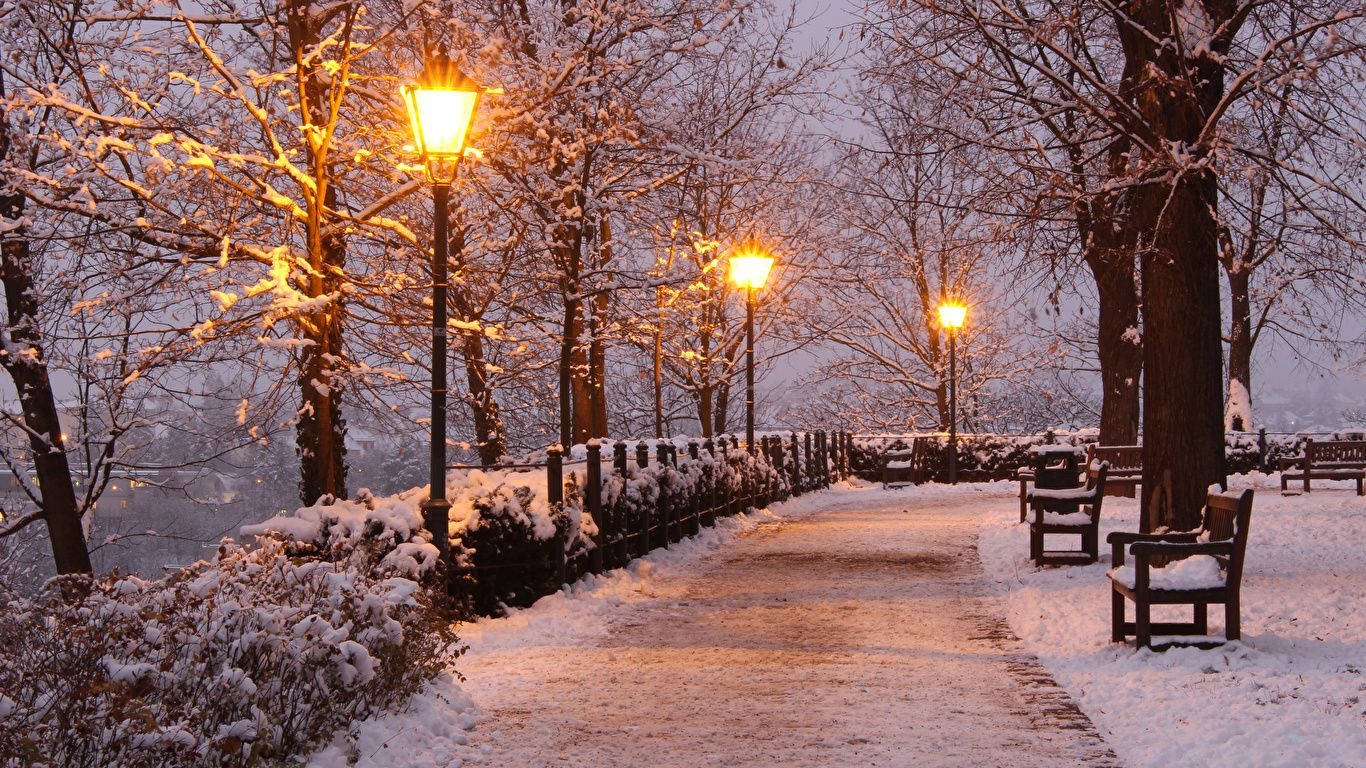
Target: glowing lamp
{"points": [[441, 110], [952, 315], [749, 267]]}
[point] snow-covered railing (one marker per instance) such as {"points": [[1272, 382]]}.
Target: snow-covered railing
{"points": [[993, 456], [610, 501]]}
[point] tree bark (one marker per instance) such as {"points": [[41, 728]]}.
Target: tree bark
{"points": [[721, 410], [489, 435], [1174, 207], [1119, 346], [321, 430], [1240, 342], [24, 359]]}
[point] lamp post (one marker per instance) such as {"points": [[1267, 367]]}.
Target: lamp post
{"points": [[441, 109], [951, 318], [749, 268]]}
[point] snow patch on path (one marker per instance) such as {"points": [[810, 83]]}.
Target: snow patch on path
{"points": [[1292, 693]]}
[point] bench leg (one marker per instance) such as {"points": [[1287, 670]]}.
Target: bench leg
{"points": [[1024, 505], [1090, 543], [1143, 635], [1035, 544], [1232, 619], [1202, 618], [1306, 478], [1116, 616]]}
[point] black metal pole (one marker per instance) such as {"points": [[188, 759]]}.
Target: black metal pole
{"points": [[749, 370], [436, 512], [953, 407]]}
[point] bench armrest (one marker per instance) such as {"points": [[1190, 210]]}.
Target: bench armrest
{"points": [[1287, 462], [1182, 548], [1118, 540], [1126, 537]]}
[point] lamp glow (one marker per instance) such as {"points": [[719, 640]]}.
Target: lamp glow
{"points": [[750, 267], [952, 315]]}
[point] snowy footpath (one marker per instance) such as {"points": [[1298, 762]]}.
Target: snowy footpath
{"points": [[847, 628]]}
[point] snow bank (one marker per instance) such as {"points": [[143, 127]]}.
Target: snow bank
{"points": [[1291, 693]]}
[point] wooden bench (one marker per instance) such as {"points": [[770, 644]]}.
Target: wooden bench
{"points": [[897, 468], [1328, 460], [1050, 466], [1126, 467], [1217, 578], [1067, 510]]}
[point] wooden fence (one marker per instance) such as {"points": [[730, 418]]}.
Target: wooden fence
{"points": [[639, 502]]}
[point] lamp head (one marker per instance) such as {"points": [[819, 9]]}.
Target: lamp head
{"points": [[952, 315], [441, 110], [750, 266]]}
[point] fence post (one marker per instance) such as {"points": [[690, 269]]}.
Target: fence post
{"points": [[712, 475], [665, 501], [1262, 449], [619, 458], [797, 457], [592, 493], [554, 491], [643, 532]]}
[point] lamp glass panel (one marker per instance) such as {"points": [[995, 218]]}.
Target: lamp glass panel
{"points": [[952, 315], [750, 270], [441, 119]]}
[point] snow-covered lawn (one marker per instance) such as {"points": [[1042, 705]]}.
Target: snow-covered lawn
{"points": [[1292, 693]]}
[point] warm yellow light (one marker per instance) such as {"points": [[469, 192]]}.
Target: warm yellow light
{"points": [[750, 266], [441, 119], [952, 315]]}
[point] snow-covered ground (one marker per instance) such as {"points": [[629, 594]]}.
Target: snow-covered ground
{"points": [[1291, 693], [855, 627]]}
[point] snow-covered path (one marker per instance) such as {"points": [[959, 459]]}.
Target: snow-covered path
{"points": [[856, 631]]}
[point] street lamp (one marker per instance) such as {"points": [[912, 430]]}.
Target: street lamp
{"points": [[441, 110], [749, 269], [951, 317]]}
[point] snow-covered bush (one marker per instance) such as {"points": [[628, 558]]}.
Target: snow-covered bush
{"points": [[250, 658], [507, 542]]}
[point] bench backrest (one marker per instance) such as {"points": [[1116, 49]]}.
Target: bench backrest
{"points": [[1121, 457], [1335, 452], [1227, 518]]}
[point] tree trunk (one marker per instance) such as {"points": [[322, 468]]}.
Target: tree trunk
{"points": [[569, 342], [721, 409], [490, 440], [1238, 414], [322, 430], [597, 369], [26, 363], [597, 348], [489, 435], [1174, 209], [1119, 347], [704, 408]]}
